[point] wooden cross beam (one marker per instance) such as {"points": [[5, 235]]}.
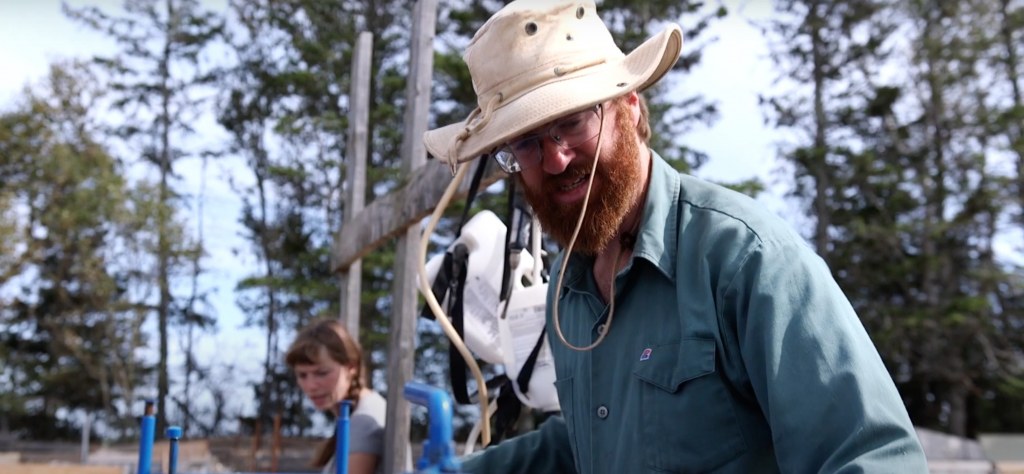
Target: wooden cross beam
{"points": [[389, 216]]}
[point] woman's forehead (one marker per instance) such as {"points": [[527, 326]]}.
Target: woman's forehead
{"points": [[319, 355]]}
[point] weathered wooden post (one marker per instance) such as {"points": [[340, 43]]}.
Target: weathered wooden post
{"points": [[355, 174], [397, 215], [402, 340]]}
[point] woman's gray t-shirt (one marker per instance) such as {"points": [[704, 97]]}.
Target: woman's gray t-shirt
{"points": [[366, 429]]}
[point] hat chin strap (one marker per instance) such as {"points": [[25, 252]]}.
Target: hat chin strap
{"points": [[471, 127], [439, 314], [603, 330]]}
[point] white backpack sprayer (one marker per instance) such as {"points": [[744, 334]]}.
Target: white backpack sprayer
{"points": [[503, 332], [493, 284]]}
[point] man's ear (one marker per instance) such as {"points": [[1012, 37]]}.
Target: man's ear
{"points": [[633, 99]]}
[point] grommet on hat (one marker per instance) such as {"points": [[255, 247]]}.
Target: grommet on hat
{"points": [[536, 60]]}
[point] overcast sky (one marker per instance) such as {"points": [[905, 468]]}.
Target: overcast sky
{"points": [[734, 71]]}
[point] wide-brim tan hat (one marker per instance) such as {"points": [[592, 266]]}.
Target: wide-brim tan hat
{"points": [[537, 60]]}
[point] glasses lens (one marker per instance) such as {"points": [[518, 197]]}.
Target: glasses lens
{"points": [[507, 161], [519, 155], [569, 132], [577, 128]]}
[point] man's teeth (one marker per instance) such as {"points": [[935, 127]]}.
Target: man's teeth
{"points": [[574, 184]]}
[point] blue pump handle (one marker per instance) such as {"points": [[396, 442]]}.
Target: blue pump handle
{"points": [[438, 450]]}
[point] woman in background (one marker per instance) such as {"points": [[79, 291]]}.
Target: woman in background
{"points": [[328, 365]]}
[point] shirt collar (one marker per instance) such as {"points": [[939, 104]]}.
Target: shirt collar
{"points": [[656, 238]]}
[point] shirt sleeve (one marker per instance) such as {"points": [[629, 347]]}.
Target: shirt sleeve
{"points": [[365, 435], [545, 449], [831, 403]]}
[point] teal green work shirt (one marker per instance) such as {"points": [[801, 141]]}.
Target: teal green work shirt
{"points": [[731, 350]]}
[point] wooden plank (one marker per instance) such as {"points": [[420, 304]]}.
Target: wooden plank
{"points": [[9, 457], [959, 466], [388, 216], [355, 174], [61, 469], [401, 342], [193, 452], [1009, 467]]}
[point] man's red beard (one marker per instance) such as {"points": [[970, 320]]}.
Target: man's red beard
{"points": [[617, 174]]}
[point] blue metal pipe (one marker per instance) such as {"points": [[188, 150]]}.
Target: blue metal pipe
{"points": [[341, 443], [439, 449], [173, 435], [147, 433]]}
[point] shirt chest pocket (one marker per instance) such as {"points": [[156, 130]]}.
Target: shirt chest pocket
{"points": [[686, 415]]}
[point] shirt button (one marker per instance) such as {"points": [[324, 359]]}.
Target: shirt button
{"points": [[602, 412]]}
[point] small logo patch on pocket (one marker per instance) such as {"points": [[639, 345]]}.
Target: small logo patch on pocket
{"points": [[646, 354]]}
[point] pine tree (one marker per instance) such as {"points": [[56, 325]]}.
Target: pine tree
{"points": [[158, 82], [896, 166], [70, 332]]}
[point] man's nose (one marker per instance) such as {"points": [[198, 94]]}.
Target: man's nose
{"points": [[555, 158]]}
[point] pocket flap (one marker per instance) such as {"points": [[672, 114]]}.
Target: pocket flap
{"points": [[667, 366]]}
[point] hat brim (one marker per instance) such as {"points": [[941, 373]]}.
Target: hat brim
{"points": [[638, 70]]}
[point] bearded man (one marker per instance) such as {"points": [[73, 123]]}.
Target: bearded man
{"points": [[692, 331]]}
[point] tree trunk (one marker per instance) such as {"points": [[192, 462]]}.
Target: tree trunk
{"points": [[958, 410], [819, 158], [1014, 129], [164, 244]]}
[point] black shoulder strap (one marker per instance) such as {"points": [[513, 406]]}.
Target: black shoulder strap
{"points": [[450, 281], [506, 269], [507, 412], [526, 371], [460, 265], [474, 187], [456, 366], [440, 285]]}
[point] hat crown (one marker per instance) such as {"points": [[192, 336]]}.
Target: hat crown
{"points": [[530, 43], [536, 60]]}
